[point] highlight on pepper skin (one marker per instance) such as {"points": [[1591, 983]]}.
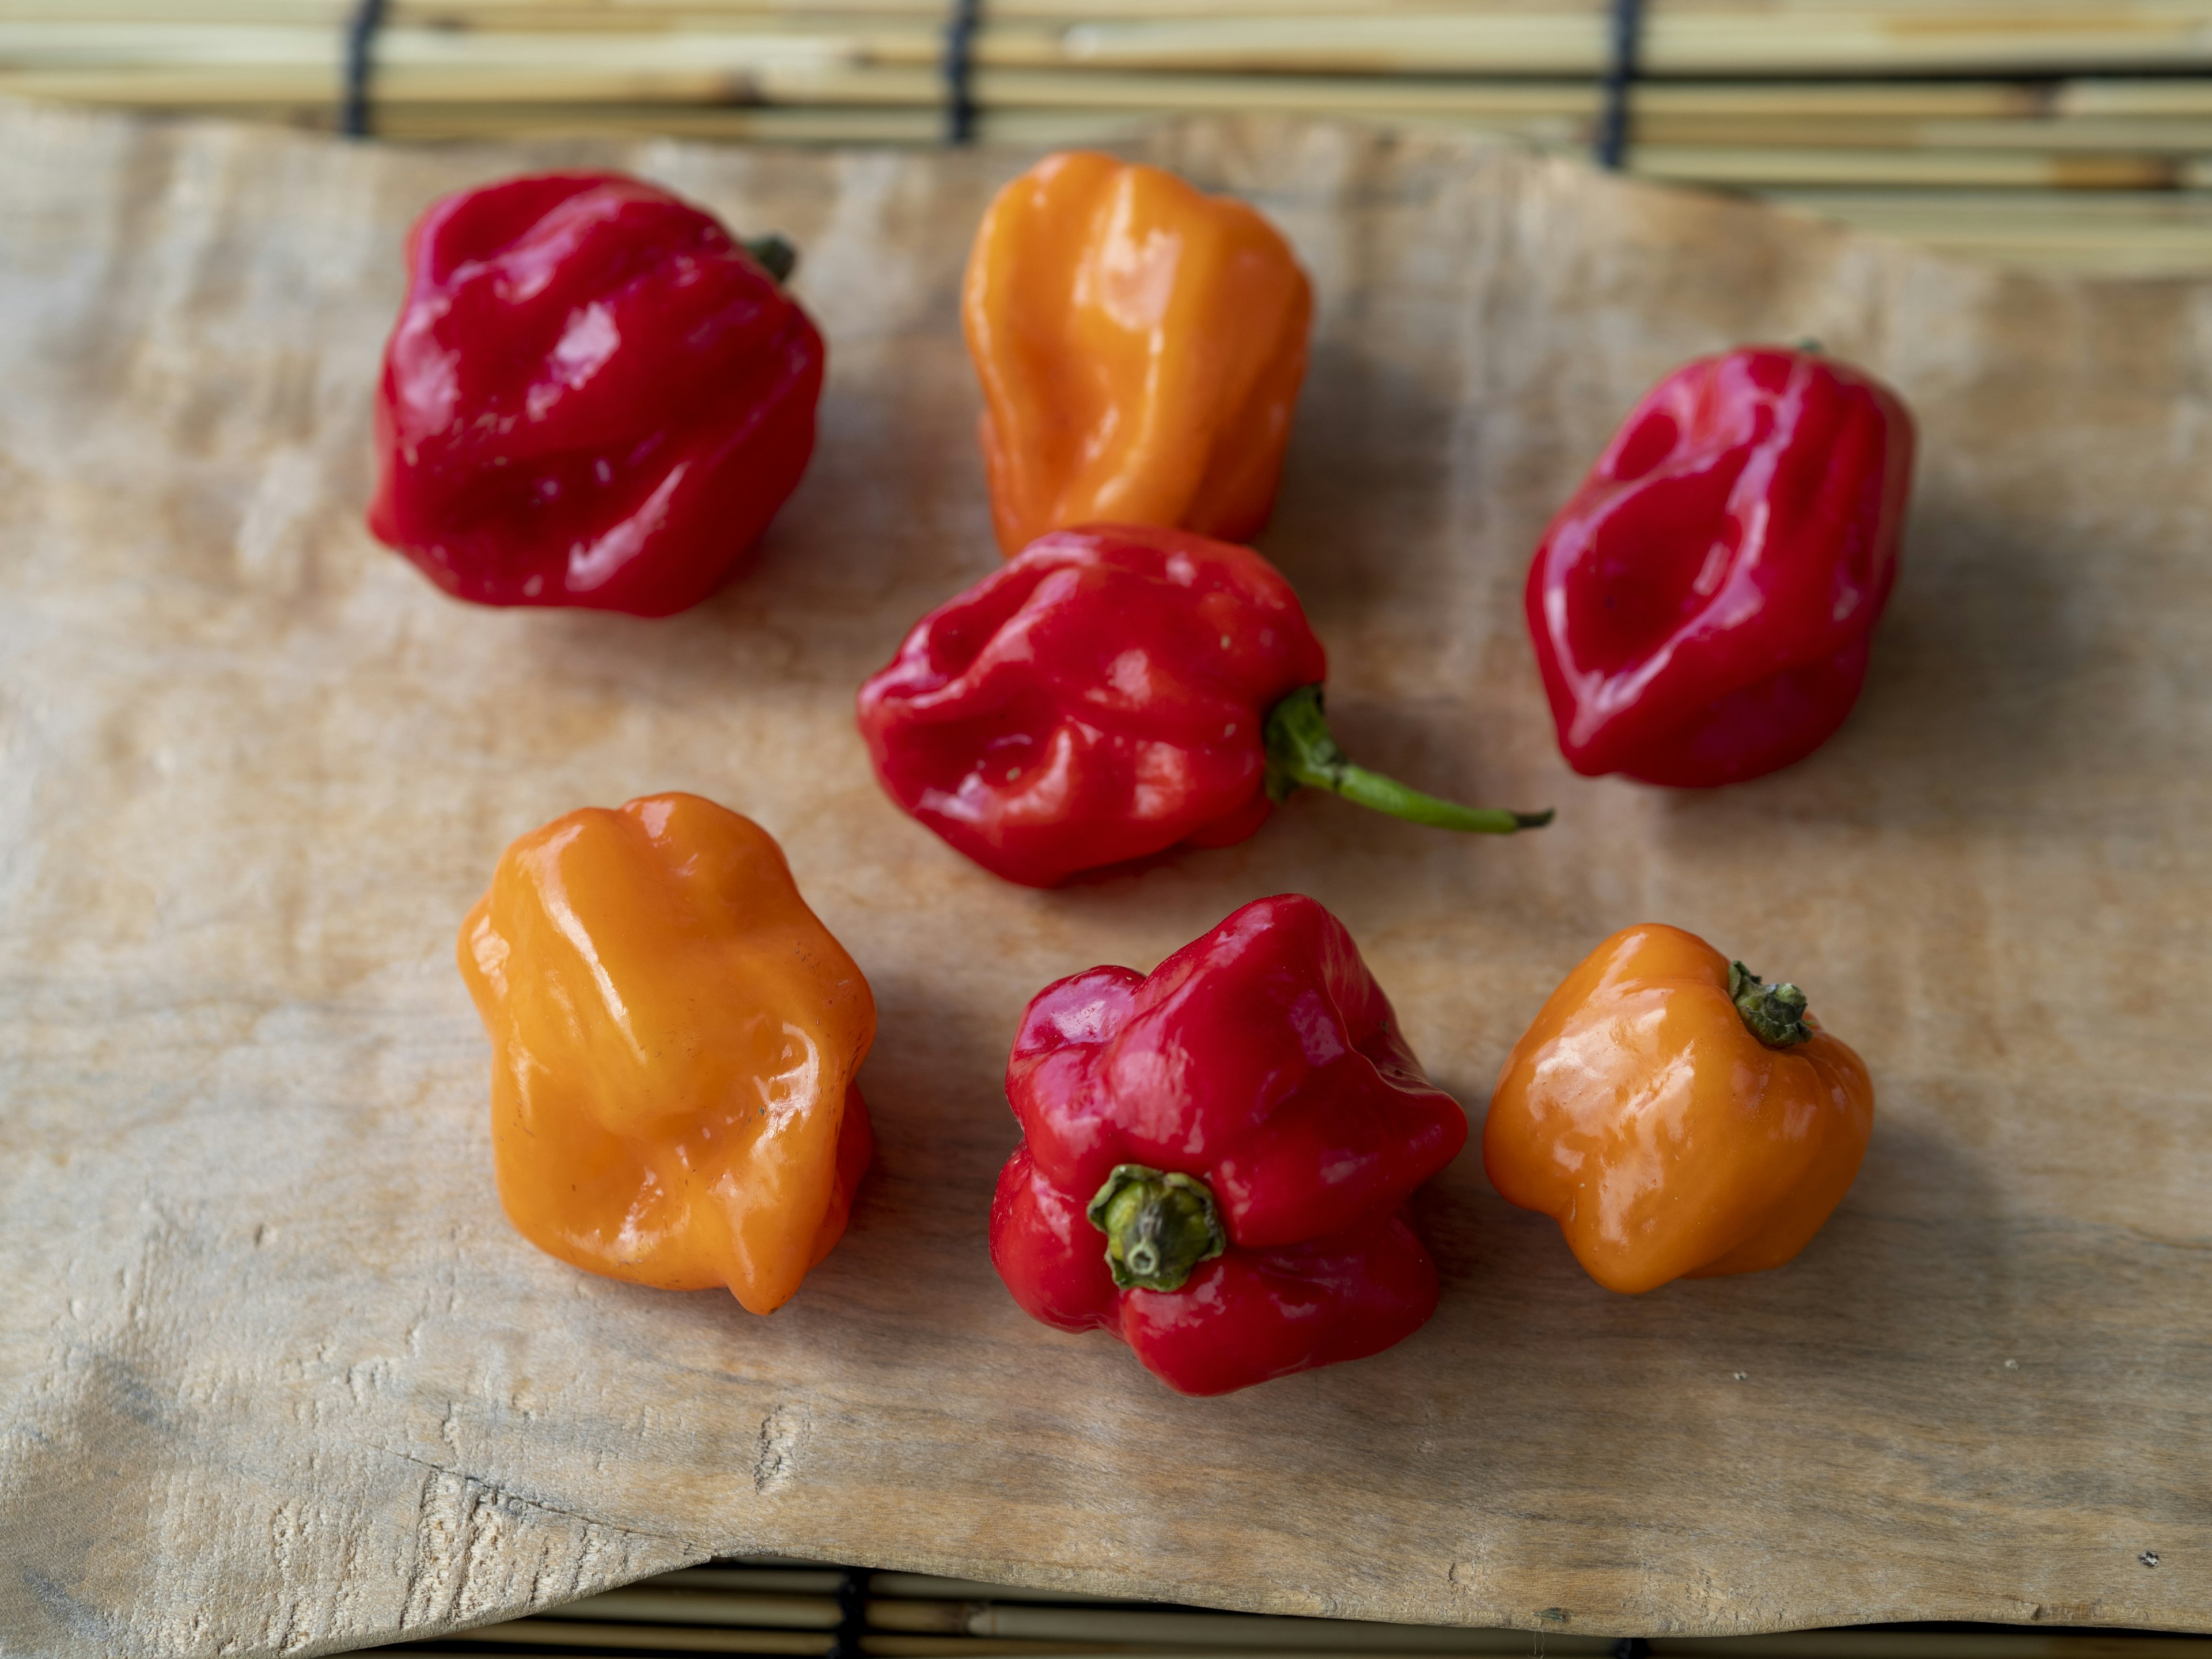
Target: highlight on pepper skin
{"points": [[1140, 346], [1217, 1156], [595, 396], [675, 1037], [1113, 691], [1702, 608], [1676, 1115]]}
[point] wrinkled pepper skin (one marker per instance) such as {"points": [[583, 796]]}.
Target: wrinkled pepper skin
{"points": [[1098, 698], [1702, 608], [1140, 346], [1261, 1064], [674, 1039], [593, 397], [1642, 1113]]}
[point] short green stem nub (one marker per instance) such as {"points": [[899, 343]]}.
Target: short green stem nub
{"points": [[773, 254], [1774, 1014], [1158, 1224], [1302, 754]]}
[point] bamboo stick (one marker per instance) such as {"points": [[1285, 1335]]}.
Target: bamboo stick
{"points": [[1329, 94], [2114, 234], [2169, 137], [1178, 1628], [1473, 1643], [930, 1586], [2063, 258], [2136, 97], [657, 1606], [582, 85], [980, 1647], [182, 66], [757, 1578], [549, 1634], [1677, 40], [1940, 15], [421, 122], [98, 43], [2025, 207], [1774, 164]]}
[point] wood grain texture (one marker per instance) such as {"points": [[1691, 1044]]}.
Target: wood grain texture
{"points": [[274, 1376]]}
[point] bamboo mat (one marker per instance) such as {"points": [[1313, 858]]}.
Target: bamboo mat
{"points": [[2053, 133], [777, 1606]]}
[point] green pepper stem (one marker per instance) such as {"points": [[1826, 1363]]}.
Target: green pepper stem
{"points": [[1158, 1224], [1775, 1014], [773, 254], [1302, 753]]}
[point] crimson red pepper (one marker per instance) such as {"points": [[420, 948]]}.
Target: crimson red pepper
{"points": [[1217, 1156], [1702, 608], [593, 397], [1113, 691]]}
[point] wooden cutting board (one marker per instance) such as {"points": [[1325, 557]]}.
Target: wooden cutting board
{"points": [[276, 1377]]}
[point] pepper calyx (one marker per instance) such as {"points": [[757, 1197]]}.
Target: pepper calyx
{"points": [[772, 253], [1304, 754], [1159, 1225], [1775, 1014]]}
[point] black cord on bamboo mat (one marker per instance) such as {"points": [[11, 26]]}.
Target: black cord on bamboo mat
{"points": [[959, 68], [1620, 73], [360, 63], [852, 1614]]}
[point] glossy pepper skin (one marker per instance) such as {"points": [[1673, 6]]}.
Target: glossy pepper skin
{"points": [[674, 1040], [1217, 1156], [1677, 1117], [1140, 345], [1702, 608], [1113, 691], [593, 397]]}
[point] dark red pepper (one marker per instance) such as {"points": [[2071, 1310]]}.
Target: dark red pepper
{"points": [[593, 397], [1217, 1156], [1110, 692], [1702, 608]]}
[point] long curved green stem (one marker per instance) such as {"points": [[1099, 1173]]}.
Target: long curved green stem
{"points": [[1302, 754]]}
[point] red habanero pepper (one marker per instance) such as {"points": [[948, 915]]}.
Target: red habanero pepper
{"points": [[593, 396], [1110, 692], [1217, 1156], [1702, 610]]}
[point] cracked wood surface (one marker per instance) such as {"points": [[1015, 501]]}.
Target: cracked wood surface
{"points": [[275, 1377]]}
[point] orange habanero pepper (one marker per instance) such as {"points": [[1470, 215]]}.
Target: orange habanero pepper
{"points": [[1676, 1117], [674, 1037], [1140, 345]]}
